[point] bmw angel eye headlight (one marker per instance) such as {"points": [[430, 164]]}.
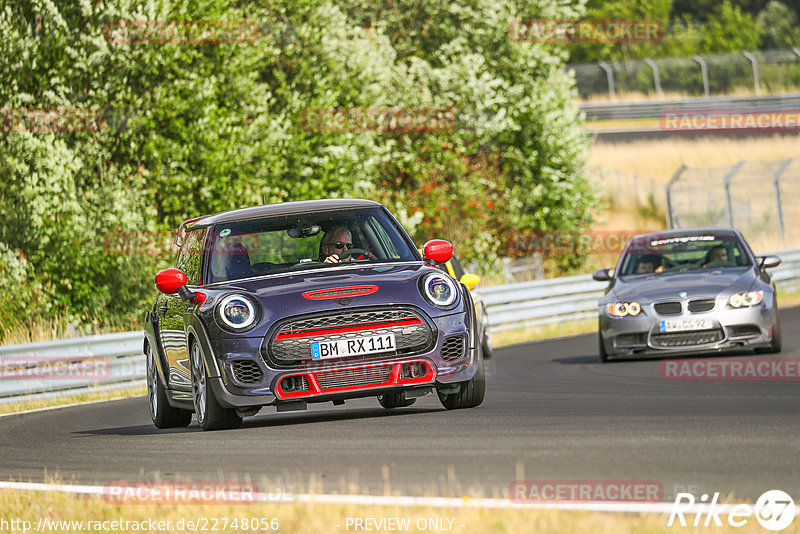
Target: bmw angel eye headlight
{"points": [[748, 298], [236, 311], [621, 309], [439, 289]]}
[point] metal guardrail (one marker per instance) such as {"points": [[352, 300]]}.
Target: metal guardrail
{"points": [[69, 366], [541, 302], [654, 109]]}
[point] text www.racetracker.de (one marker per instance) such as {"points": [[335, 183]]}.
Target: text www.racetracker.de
{"points": [[200, 524]]}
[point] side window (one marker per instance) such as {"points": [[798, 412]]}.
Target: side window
{"points": [[190, 258]]}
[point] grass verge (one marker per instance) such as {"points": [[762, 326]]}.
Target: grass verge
{"points": [[312, 518], [13, 407]]}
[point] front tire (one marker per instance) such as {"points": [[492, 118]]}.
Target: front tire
{"points": [[162, 414], [472, 391], [775, 345], [601, 348], [210, 414]]}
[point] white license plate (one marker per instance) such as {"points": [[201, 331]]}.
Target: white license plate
{"points": [[352, 347], [681, 325]]}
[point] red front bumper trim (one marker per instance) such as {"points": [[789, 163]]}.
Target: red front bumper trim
{"points": [[315, 389]]}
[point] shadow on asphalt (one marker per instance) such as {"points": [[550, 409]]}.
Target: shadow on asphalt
{"points": [[268, 420]]}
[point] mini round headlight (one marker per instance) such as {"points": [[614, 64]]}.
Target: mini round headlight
{"points": [[634, 308], [736, 300], [439, 289], [236, 311]]}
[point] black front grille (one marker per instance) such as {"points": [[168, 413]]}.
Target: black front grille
{"points": [[702, 305], [687, 339], [453, 348], [668, 308], [247, 372], [743, 330], [293, 384], [354, 377], [294, 351], [623, 340]]}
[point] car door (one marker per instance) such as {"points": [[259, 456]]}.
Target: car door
{"points": [[171, 308]]}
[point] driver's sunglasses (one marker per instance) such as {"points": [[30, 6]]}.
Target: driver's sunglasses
{"points": [[339, 244]]}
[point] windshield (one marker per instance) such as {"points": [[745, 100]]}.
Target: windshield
{"points": [[298, 242], [683, 253]]}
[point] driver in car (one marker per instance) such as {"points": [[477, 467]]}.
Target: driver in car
{"points": [[334, 243], [716, 254]]}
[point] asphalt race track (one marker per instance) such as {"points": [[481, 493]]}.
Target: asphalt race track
{"points": [[552, 412]]}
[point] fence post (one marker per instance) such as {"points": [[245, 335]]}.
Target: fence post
{"points": [[727, 182], [776, 181], [672, 219], [610, 76], [704, 72], [656, 76], [754, 62]]}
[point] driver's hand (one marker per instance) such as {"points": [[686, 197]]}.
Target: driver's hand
{"points": [[333, 258]]}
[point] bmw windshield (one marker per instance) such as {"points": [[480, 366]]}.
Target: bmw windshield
{"points": [[649, 255]]}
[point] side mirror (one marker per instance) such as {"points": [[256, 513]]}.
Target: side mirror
{"points": [[767, 262], [171, 281], [470, 280], [602, 275], [437, 251]]}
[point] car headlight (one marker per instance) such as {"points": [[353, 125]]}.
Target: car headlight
{"points": [[621, 309], [236, 311], [748, 298], [439, 289]]}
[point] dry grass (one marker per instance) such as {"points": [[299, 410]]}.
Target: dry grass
{"points": [[91, 396], [312, 518], [659, 159]]}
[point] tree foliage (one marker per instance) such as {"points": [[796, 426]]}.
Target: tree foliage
{"points": [[191, 129]]}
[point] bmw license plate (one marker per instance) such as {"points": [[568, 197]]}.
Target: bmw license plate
{"points": [[681, 325], [352, 347]]}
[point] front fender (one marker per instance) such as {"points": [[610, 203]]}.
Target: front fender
{"points": [[196, 329]]}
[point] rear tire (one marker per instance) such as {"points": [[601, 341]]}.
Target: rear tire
{"points": [[210, 414], [162, 414], [395, 400], [472, 391]]}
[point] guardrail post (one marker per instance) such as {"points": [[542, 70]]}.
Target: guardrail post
{"points": [[754, 62], [727, 181], [656, 76], [610, 77], [776, 181], [704, 72], [673, 218]]}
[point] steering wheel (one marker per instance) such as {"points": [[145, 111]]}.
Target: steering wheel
{"points": [[355, 252]]}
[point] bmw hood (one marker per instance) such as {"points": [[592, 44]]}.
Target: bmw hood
{"points": [[707, 283]]}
